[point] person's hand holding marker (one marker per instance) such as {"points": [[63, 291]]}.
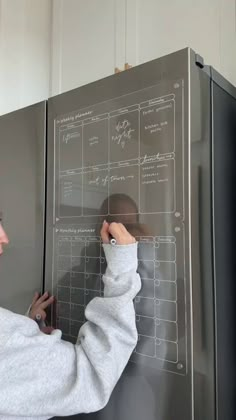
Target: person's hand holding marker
{"points": [[38, 310], [116, 233]]}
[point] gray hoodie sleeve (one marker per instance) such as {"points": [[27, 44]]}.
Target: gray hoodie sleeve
{"points": [[43, 375]]}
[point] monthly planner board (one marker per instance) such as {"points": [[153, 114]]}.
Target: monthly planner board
{"points": [[123, 160]]}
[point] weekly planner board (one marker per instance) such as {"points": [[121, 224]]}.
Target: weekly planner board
{"points": [[122, 160]]}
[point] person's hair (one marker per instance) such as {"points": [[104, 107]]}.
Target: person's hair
{"points": [[115, 200]]}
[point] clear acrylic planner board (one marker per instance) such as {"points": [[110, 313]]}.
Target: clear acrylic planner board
{"points": [[122, 159]]}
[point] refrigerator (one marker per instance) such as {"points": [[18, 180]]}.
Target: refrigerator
{"points": [[152, 147], [22, 202]]}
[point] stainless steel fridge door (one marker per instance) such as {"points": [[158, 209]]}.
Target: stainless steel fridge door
{"points": [[22, 201], [119, 149]]}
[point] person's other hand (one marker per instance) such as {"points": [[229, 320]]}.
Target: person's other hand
{"points": [[118, 232], [47, 330], [39, 305]]}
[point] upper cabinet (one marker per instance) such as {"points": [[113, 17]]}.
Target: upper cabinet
{"points": [[51, 46], [83, 42], [93, 38]]}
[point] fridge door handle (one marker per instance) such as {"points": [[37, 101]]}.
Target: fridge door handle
{"points": [[197, 288]]}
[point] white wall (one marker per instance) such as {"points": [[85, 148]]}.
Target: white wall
{"points": [[25, 46]]}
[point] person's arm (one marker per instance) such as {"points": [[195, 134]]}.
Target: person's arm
{"points": [[41, 375]]}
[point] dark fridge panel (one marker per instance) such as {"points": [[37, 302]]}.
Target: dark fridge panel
{"points": [[117, 150], [22, 185], [224, 170]]}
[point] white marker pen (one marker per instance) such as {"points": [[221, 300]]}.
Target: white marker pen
{"points": [[38, 317], [39, 321]]}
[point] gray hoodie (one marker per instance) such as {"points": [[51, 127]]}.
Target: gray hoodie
{"points": [[42, 376]]}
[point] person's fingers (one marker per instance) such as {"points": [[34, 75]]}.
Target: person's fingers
{"points": [[126, 233], [120, 233], [122, 228], [38, 311], [114, 229], [43, 314], [35, 298], [105, 232], [115, 232], [42, 298], [129, 239], [47, 302]]}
